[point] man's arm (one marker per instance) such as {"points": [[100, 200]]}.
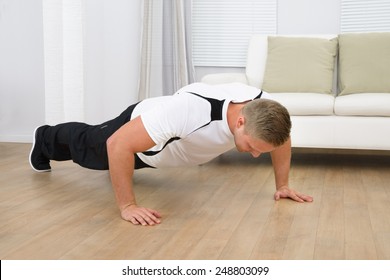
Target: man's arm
{"points": [[121, 147], [281, 158]]}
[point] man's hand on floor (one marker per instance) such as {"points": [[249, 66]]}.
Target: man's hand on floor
{"points": [[140, 215]]}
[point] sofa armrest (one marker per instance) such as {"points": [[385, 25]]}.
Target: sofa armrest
{"points": [[223, 78]]}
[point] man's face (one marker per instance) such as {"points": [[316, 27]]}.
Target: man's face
{"points": [[247, 144]]}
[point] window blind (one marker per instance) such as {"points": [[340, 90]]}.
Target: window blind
{"points": [[221, 29], [365, 15]]}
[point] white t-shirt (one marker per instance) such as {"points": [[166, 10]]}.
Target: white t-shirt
{"points": [[190, 127]]}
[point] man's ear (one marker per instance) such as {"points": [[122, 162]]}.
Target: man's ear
{"points": [[240, 121]]}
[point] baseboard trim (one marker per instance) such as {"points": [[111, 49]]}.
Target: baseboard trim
{"points": [[16, 138]]}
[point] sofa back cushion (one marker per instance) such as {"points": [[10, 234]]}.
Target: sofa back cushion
{"points": [[257, 56], [300, 64], [364, 63]]}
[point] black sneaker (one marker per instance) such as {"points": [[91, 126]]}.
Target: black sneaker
{"points": [[38, 161]]}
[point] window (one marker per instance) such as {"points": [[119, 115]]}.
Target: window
{"points": [[221, 29], [365, 15]]}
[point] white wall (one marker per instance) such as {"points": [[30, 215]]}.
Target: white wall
{"points": [[112, 54], [21, 69], [309, 16]]}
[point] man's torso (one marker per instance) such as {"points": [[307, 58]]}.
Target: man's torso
{"points": [[190, 127]]}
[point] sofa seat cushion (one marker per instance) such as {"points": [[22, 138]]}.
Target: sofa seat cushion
{"points": [[306, 104], [363, 104]]}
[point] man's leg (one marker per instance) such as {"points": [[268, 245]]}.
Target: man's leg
{"points": [[84, 144], [80, 142]]}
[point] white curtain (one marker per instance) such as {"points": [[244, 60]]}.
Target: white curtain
{"points": [[166, 47], [63, 54]]}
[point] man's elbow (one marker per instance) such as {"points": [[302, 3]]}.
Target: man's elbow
{"points": [[112, 145], [118, 146]]}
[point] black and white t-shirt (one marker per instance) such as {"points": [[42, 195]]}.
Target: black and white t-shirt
{"points": [[190, 127]]}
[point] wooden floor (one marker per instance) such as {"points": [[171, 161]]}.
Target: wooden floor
{"points": [[221, 210]]}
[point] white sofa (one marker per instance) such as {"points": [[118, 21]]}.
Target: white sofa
{"points": [[358, 119]]}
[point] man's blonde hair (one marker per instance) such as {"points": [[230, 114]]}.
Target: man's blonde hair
{"points": [[267, 120]]}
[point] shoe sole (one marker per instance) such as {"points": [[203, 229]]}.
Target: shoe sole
{"points": [[32, 149]]}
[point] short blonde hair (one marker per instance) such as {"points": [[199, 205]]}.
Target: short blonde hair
{"points": [[267, 120]]}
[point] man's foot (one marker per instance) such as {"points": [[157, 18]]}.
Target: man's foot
{"points": [[38, 161]]}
